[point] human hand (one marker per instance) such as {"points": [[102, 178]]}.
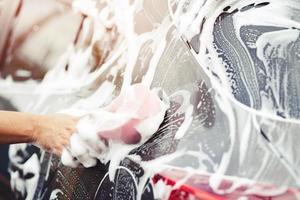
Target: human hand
{"points": [[52, 132], [133, 117]]}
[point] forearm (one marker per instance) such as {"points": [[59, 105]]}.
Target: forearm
{"points": [[16, 127]]}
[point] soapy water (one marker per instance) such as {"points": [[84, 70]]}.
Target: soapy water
{"points": [[254, 60], [233, 101], [251, 56], [131, 118]]}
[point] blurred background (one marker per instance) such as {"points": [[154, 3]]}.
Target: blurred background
{"points": [[33, 35]]}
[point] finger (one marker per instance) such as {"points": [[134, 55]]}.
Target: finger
{"points": [[68, 132], [71, 129], [75, 119], [66, 143], [65, 135]]}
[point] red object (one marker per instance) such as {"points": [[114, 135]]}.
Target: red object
{"points": [[197, 187], [185, 191]]}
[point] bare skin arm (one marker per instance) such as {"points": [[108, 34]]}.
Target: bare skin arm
{"points": [[51, 132]]}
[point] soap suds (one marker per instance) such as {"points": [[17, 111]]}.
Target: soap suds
{"points": [[245, 53], [103, 134]]}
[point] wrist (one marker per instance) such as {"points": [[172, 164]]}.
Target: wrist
{"points": [[33, 129]]}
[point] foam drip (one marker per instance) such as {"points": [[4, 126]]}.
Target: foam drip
{"points": [[228, 116], [104, 133]]}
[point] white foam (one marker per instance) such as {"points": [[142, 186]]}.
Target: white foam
{"points": [[80, 92], [136, 109]]}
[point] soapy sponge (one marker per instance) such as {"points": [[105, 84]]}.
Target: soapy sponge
{"points": [[131, 118]]}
